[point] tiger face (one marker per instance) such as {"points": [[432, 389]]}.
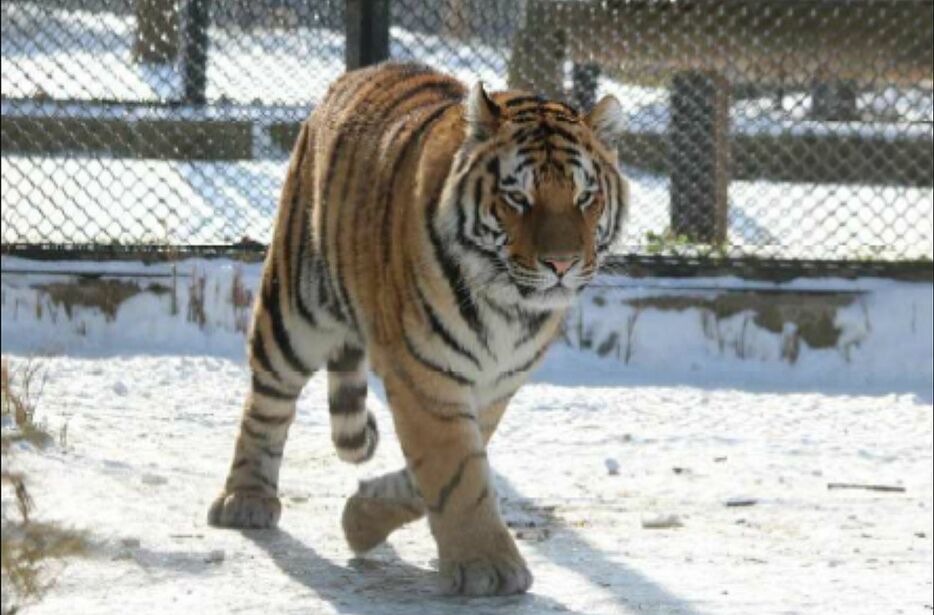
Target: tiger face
{"points": [[537, 195]]}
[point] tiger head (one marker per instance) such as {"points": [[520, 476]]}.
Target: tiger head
{"points": [[534, 196]]}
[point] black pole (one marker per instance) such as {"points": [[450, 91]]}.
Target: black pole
{"points": [[366, 27], [195, 65], [698, 155]]}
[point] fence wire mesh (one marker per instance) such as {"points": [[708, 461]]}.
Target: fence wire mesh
{"points": [[774, 129]]}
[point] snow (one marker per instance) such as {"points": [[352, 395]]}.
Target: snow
{"points": [[129, 201], [138, 471], [622, 481], [885, 341]]}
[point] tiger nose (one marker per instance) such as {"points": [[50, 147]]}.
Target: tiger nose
{"points": [[559, 264]]}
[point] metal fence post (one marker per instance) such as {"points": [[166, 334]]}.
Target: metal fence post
{"points": [[195, 69], [585, 77], [366, 27], [699, 156], [538, 53], [156, 31]]}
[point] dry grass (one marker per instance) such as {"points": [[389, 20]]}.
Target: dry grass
{"points": [[27, 545]]}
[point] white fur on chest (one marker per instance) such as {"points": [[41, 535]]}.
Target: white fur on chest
{"points": [[508, 350]]}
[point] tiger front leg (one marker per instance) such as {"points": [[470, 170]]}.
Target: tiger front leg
{"points": [[384, 504], [445, 451]]}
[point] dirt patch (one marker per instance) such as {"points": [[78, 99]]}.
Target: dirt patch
{"points": [[811, 314], [105, 294]]}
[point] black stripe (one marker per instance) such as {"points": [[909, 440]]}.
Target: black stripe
{"points": [[256, 435], [432, 404], [561, 132], [262, 478], [267, 390], [347, 360], [446, 87], [439, 329], [352, 442], [454, 277], [301, 227], [502, 312], [291, 208], [532, 324], [444, 371], [478, 225], [620, 205], [357, 440], [258, 350], [350, 173], [452, 484], [411, 139], [270, 452], [265, 419], [474, 246], [348, 399], [521, 100], [522, 165], [279, 333], [529, 149], [480, 499], [525, 366], [304, 311], [567, 150]]}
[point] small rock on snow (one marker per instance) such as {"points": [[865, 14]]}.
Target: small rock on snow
{"points": [[612, 466], [661, 522], [736, 502], [130, 543]]}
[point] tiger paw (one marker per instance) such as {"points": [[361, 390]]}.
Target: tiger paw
{"points": [[368, 521], [245, 510], [486, 576]]}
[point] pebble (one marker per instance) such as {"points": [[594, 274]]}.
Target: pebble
{"points": [[661, 522]]}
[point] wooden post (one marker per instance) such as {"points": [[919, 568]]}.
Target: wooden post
{"points": [[366, 27], [195, 67], [156, 31], [699, 156], [539, 51]]}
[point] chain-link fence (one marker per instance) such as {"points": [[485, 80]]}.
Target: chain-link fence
{"points": [[773, 129]]}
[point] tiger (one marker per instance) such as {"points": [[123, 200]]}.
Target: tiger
{"points": [[435, 235]]}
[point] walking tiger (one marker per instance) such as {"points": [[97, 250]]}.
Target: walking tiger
{"points": [[436, 236]]}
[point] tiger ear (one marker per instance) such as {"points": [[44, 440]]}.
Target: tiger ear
{"points": [[606, 121], [482, 114]]}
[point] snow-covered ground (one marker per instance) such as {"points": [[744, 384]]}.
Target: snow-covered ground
{"points": [[738, 449], [149, 439]]}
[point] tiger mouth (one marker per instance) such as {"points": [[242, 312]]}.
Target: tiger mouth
{"points": [[556, 290]]}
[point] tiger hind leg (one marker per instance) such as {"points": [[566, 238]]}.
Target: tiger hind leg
{"points": [[379, 507], [285, 349]]}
